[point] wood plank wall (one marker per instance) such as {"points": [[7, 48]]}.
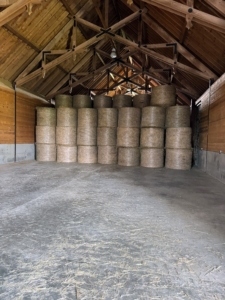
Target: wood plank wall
{"points": [[25, 117], [212, 118]]}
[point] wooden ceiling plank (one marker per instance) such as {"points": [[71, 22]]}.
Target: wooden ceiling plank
{"points": [[179, 8], [218, 5], [106, 13], [167, 37]]}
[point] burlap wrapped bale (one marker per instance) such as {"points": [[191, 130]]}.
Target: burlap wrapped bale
{"points": [[102, 101], [128, 157], [87, 154], [66, 154], [178, 159], [129, 117], [46, 116], [178, 116], [82, 101], [153, 116], [45, 134], [107, 155], [63, 101], [46, 152], [122, 101], [152, 157], [152, 138], [128, 137], [142, 100], [163, 95], [87, 117], [179, 138], [106, 136], [107, 117], [66, 135], [86, 136], [66, 116]]}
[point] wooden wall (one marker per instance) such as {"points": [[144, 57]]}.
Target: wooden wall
{"points": [[25, 117], [212, 118]]}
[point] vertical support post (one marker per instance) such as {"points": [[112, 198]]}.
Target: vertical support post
{"points": [[14, 85]]}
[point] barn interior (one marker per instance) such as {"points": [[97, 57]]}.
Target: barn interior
{"points": [[109, 231]]}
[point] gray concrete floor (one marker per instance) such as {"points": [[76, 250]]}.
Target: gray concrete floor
{"points": [[110, 232]]}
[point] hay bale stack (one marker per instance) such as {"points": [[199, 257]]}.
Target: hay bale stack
{"points": [[107, 155], [66, 135], [178, 159], [45, 134], [86, 136], [66, 116], [87, 154], [178, 116], [63, 101], [129, 157], [128, 137], [152, 157], [141, 101], [66, 154], [102, 101], [163, 95], [82, 101], [129, 117], [152, 137], [153, 116], [46, 116], [178, 138], [107, 117], [46, 152], [106, 136], [87, 117], [122, 101]]}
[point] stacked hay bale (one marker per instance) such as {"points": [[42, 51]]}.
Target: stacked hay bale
{"points": [[122, 101], [141, 101], [45, 134], [66, 134], [178, 138], [63, 101], [102, 101], [87, 135], [163, 96], [82, 101], [106, 135], [152, 137], [128, 132]]}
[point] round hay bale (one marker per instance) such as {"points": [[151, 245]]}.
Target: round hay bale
{"points": [[107, 117], [128, 137], [142, 100], [152, 158], [106, 136], [86, 136], [87, 117], [87, 154], [163, 95], [45, 152], [66, 153], [129, 117], [46, 116], [66, 135], [45, 134], [122, 101], [128, 157], [179, 138], [82, 101], [66, 116], [178, 116], [178, 159], [102, 101], [107, 155], [152, 137], [153, 116], [63, 101]]}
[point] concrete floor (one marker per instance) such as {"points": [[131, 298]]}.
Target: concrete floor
{"points": [[110, 232]]}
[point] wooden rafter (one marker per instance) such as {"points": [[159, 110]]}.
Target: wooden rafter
{"points": [[184, 10], [218, 5], [168, 38]]}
